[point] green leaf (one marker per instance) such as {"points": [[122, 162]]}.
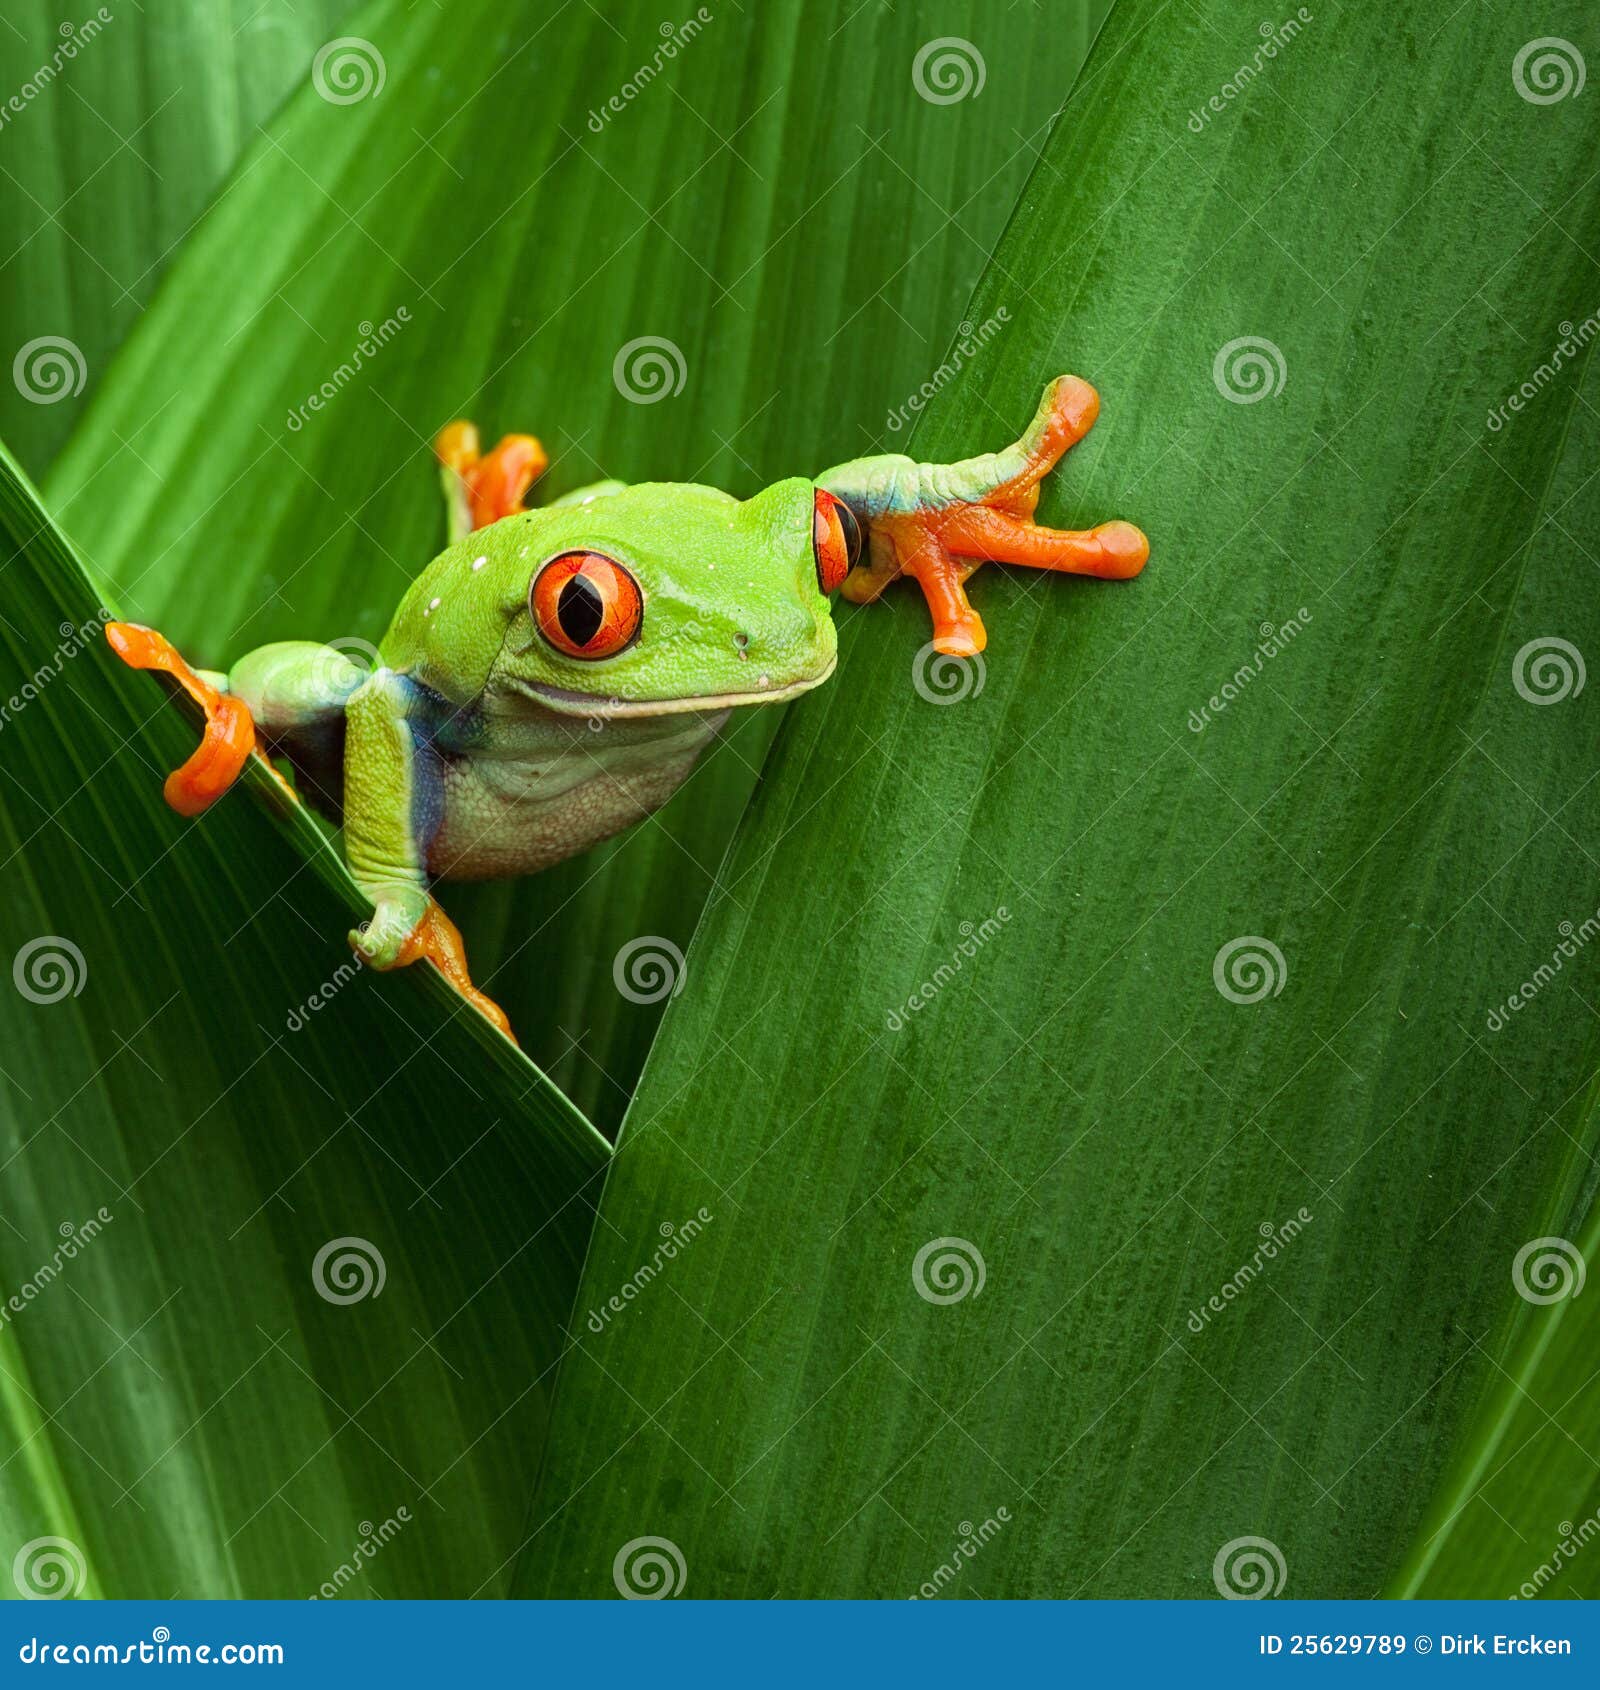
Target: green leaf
{"points": [[517, 205], [124, 121], [1523, 1498], [860, 1069], [199, 1095]]}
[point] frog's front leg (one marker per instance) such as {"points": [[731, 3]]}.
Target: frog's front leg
{"points": [[230, 731], [393, 802], [270, 695], [938, 522]]}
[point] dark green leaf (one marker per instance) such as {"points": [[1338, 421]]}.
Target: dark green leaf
{"points": [[1522, 1499], [199, 1094], [119, 122], [1394, 811]]}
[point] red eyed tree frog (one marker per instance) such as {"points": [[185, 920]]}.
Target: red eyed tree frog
{"points": [[469, 750]]}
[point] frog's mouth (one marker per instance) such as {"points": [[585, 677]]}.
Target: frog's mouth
{"points": [[567, 703]]}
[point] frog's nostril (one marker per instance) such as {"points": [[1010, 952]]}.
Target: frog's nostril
{"points": [[742, 641]]}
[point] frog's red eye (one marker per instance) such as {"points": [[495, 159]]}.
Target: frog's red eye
{"points": [[835, 540], [586, 605]]}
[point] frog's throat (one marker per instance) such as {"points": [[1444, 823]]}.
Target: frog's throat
{"points": [[567, 703]]}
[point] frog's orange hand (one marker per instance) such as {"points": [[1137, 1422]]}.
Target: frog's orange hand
{"points": [[480, 489], [230, 734], [437, 939], [407, 925], [938, 522]]}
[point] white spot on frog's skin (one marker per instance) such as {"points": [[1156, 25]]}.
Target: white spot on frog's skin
{"points": [[479, 562], [766, 680], [433, 605]]}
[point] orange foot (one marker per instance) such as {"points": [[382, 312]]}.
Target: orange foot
{"points": [[437, 939], [481, 489], [939, 522], [230, 734]]}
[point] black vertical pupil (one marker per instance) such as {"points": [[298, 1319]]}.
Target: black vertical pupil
{"points": [[851, 530], [580, 610]]}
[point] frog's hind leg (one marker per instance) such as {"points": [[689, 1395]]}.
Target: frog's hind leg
{"points": [[938, 522], [1114, 551], [479, 487], [923, 555], [1009, 479], [998, 492], [297, 690]]}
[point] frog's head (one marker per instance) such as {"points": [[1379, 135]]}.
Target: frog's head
{"points": [[664, 598]]}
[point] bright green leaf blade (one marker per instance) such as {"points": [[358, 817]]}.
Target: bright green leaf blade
{"points": [[1163, 1357], [772, 197], [121, 130], [1522, 1503], [199, 1094]]}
